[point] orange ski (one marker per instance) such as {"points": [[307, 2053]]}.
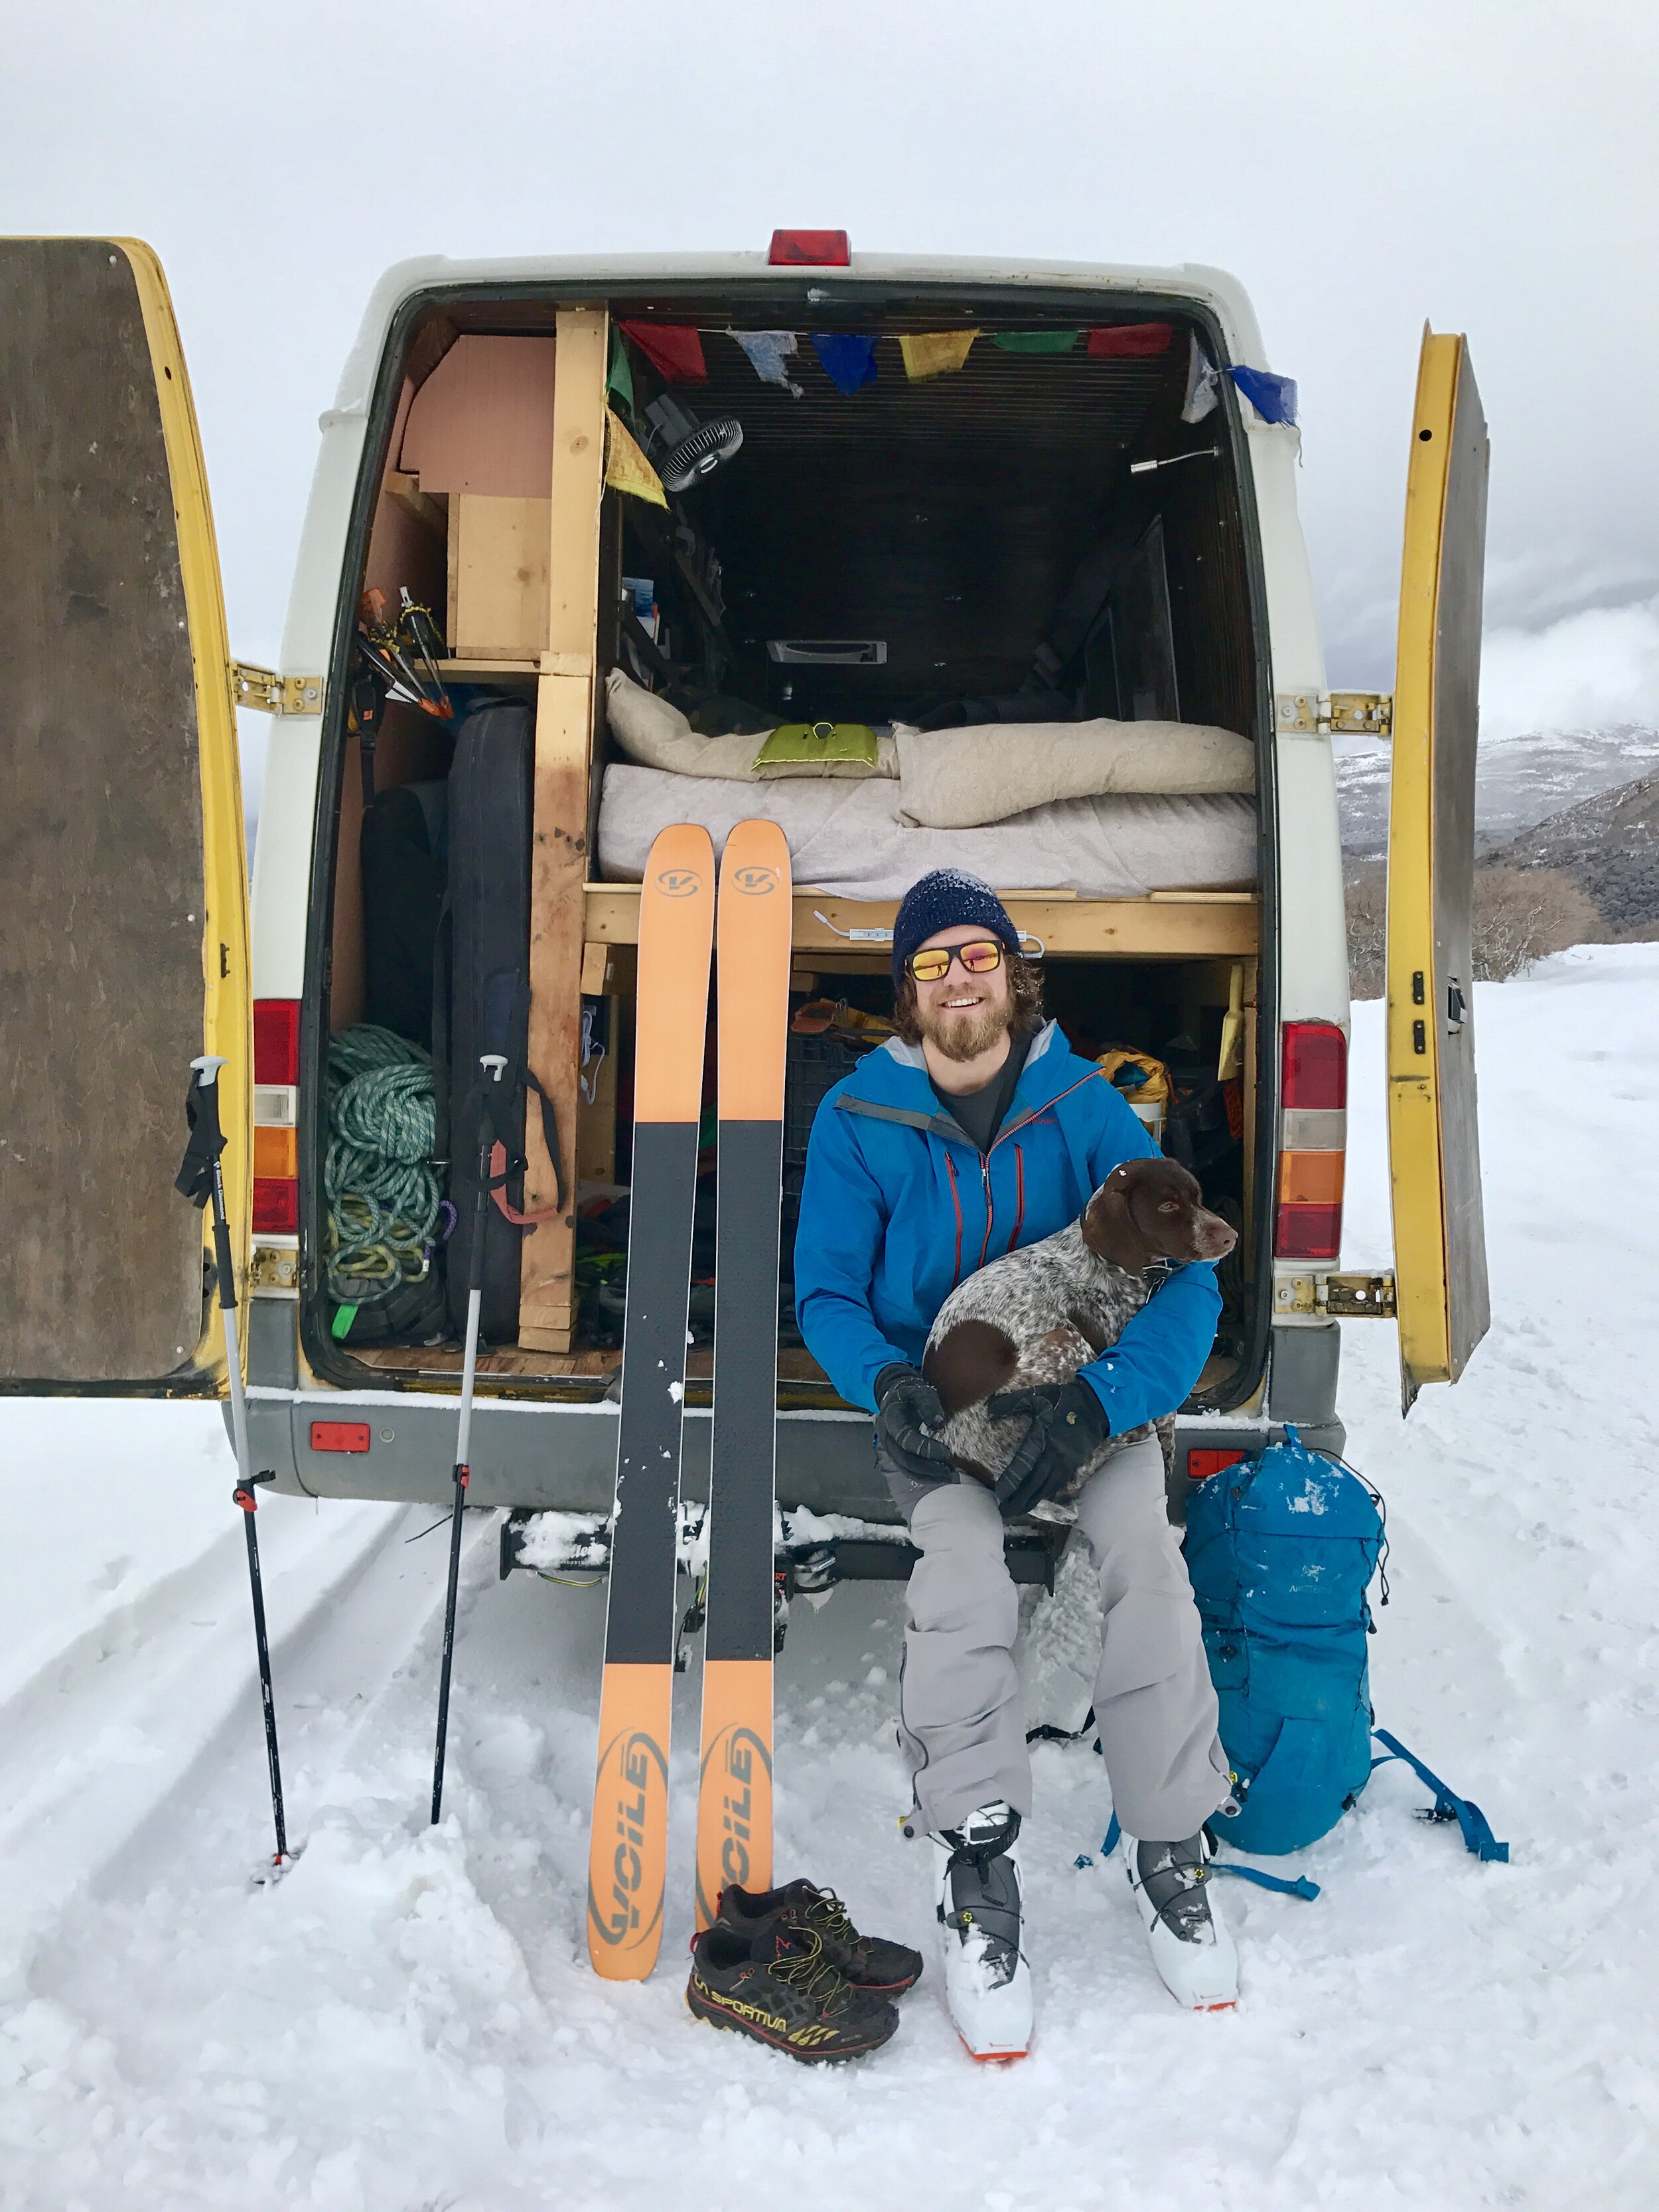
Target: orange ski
{"points": [[734, 1797], [629, 1840]]}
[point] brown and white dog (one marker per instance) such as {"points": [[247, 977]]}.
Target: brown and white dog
{"points": [[1038, 1315]]}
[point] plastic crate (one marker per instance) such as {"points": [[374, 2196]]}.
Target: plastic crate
{"points": [[812, 1067]]}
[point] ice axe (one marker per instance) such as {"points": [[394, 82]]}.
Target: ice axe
{"points": [[201, 1178], [494, 1064]]}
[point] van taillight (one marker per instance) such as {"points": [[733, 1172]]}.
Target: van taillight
{"points": [[810, 249], [1313, 1136], [276, 1134], [275, 1040]]}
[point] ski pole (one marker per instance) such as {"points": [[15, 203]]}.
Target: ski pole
{"points": [[201, 1179], [494, 1064]]}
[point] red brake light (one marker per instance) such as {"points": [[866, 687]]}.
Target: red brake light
{"points": [[1314, 1067], [276, 1040], [810, 249], [276, 1207]]}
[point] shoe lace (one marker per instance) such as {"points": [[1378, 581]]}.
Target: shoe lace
{"points": [[809, 1970], [827, 1912]]}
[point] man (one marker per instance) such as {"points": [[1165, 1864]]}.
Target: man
{"points": [[973, 1131]]}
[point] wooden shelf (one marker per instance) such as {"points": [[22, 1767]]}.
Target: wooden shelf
{"points": [[1169, 925], [461, 669]]}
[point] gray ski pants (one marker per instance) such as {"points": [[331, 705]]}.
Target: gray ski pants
{"points": [[960, 1713]]}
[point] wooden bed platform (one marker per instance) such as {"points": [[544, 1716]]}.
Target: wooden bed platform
{"points": [[1169, 925]]}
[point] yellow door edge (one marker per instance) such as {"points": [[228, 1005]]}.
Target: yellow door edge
{"points": [[227, 1022], [1416, 1166]]}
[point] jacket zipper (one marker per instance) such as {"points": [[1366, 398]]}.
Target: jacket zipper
{"points": [[956, 1201], [1019, 1196], [985, 1177]]}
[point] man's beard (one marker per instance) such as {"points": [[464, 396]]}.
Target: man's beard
{"points": [[965, 1037]]}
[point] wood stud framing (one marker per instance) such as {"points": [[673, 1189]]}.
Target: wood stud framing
{"points": [[564, 727]]}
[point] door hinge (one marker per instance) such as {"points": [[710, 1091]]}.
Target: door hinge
{"points": [[262, 687], [1316, 713], [274, 1270], [1353, 1297]]}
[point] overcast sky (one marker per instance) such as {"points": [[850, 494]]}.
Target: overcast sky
{"points": [[1487, 165]]}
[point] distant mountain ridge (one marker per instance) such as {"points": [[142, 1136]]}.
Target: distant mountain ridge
{"points": [[1519, 782], [1609, 845]]}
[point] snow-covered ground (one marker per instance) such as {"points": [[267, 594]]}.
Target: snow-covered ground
{"points": [[407, 2023]]}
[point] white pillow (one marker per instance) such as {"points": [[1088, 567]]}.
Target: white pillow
{"points": [[657, 735], [959, 779]]}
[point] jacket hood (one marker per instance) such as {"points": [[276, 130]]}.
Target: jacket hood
{"points": [[895, 1074]]}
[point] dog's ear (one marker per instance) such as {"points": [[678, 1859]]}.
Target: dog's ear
{"points": [[1108, 1226], [971, 1361]]}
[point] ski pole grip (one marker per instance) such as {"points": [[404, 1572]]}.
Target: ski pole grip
{"points": [[494, 1064], [205, 1068]]}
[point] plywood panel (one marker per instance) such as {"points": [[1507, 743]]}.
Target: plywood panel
{"points": [[483, 421], [564, 729], [101, 843], [498, 554]]}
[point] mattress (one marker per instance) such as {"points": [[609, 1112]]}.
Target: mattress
{"points": [[845, 839]]}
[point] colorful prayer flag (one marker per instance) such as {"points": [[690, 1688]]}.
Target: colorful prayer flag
{"points": [[626, 468], [935, 353], [849, 362], [1130, 341], [674, 350], [1035, 341]]}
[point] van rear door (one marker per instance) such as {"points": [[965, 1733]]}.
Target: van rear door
{"points": [[1439, 1231], [123, 890]]}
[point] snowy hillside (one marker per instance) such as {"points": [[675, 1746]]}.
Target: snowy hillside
{"points": [[408, 2021]]}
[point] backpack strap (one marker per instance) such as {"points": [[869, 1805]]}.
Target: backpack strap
{"points": [[1448, 1805], [1301, 1886]]}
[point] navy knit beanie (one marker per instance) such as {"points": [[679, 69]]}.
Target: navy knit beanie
{"points": [[940, 901]]}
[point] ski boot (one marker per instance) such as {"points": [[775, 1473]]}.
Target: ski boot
{"points": [[869, 1962], [1193, 1952], [785, 1992], [987, 1984]]}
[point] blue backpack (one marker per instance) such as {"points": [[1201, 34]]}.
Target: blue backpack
{"points": [[1281, 1550]]}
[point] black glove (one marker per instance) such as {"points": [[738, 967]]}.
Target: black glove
{"points": [[1067, 1426], [909, 1425]]}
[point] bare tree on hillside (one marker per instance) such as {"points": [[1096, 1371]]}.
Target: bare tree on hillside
{"points": [[1520, 915]]}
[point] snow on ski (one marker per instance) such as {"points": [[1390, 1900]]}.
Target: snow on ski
{"points": [[734, 1798], [628, 1843]]}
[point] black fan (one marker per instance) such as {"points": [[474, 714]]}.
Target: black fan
{"points": [[684, 449]]}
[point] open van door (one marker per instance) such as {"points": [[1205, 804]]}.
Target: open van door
{"points": [[1434, 1145], [123, 880]]}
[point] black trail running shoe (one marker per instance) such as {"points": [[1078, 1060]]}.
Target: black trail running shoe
{"points": [[789, 1995], [870, 1962]]}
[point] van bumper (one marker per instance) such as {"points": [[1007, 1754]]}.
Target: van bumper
{"points": [[539, 1458], [563, 1458]]}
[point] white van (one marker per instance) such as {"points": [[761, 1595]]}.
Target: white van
{"points": [[909, 492]]}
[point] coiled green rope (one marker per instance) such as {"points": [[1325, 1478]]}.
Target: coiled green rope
{"points": [[382, 1188]]}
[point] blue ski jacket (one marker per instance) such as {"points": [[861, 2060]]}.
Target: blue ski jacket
{"points": [[899, 1205]]}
